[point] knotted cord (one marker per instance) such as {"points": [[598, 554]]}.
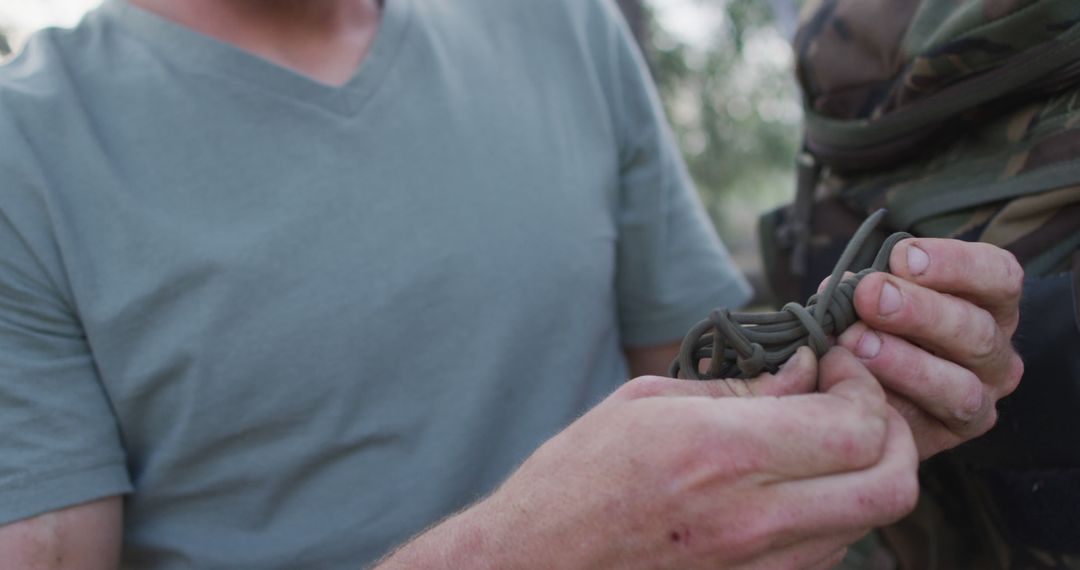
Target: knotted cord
{"points": [[752, 343]]}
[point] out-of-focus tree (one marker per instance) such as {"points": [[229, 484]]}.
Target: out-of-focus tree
{"points": [[734, 109], [5, 47], [733, 105]]}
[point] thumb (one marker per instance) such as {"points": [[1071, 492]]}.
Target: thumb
{"points": [[845, 376], [798, 376]]}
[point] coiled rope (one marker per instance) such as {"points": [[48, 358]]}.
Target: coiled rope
{"points": [[752, 343]]}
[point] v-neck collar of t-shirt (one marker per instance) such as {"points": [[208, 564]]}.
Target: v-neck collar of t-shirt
{"points": [[209, 55]]}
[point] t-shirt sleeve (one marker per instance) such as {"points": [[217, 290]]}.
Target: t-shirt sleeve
{"points": [[671, 266], [59, 440]]}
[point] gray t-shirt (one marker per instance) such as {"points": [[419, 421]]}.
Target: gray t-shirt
{"points": [[298, 323]]}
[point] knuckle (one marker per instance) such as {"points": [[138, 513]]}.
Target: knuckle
{"points": [[1016, 372], [973, 401], [979, 425], [1014, 281], [898, 497], [906, 494], [941, 319], [642, 387], [931, 314], [838, 557], [991, 420], [859, 441], [756, 533], [982, 334], [986, 421]]}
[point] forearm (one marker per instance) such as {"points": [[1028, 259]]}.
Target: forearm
{"points": [[85, 536], [460, 541], [486, 535]]}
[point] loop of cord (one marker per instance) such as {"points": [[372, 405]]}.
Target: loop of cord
{"points": [[744, 345]]}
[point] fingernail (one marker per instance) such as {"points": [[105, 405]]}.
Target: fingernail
{"points": [[917, 260], [794, 361], [869, 345], [889, 301]]}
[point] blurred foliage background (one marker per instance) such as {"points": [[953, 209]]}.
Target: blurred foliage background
{"points": [[723, 68], [733, 103]]}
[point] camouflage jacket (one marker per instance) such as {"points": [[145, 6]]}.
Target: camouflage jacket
{"points": [[962, 117]]}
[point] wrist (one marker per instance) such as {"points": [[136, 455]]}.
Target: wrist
{"points": [[477, 537], [531, 526], [498, 532]]}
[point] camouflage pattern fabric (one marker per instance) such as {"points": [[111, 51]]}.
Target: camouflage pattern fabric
{"points": [[897, 51], [1011, 180], [977, 150]]}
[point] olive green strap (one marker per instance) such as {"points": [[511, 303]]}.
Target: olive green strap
{"points": [[751, 343], [856, 137]]}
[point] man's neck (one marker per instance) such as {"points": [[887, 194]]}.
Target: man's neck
{"points": [[323, 39]]}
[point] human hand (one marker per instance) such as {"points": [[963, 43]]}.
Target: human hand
{"points": [[665, 474], [937, 335]]}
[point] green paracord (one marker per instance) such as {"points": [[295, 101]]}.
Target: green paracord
{"points": [[752, 343]]}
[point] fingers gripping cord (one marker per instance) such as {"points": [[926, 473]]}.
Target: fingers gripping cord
{"points": [[751, 343]]}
